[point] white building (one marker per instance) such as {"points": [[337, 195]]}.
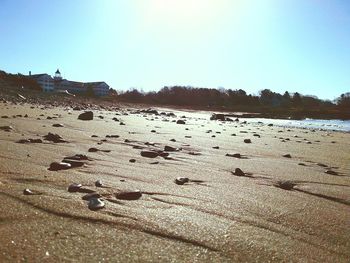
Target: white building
{"points": [[49, 84], [45, 81]]}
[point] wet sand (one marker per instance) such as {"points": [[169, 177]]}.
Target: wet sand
{"points": [[279, 210]]}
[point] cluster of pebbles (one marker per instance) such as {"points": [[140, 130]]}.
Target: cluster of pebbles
{"points": [[95, 199]]}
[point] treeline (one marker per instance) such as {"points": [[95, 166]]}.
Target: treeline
{"points": [[18, 80], [204, 97]]}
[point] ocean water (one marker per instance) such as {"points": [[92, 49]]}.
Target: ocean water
{"points": [[317, 124], [331, 125]]}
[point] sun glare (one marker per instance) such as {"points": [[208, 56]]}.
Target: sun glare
{"points": [[186, 13]]}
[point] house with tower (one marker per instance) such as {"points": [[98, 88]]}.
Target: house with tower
{"points": [[57, 83]]}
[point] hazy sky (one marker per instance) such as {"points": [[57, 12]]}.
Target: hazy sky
{"points": [[294, 45]]}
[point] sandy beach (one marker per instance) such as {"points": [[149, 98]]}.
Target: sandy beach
{"points": [[289, 202]]}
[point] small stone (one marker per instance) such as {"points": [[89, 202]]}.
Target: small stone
{"points": [[247, 141], [216, 147], [173, 140], [239, 172], [6, 128], [286, 185], [331, 172], [92, 150], [95, 204], [54, 138], [28, 192], [170, 149], [88, 196], [181, 180], [132, 160], [129, 195], [58, 125], [86, 116], [74, 187], [180, 122], [287, 155], [235, 155], [149, 154], [55, 166], [98, 183]]}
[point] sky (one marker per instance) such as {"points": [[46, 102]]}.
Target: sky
{"points": [[296, 45]]}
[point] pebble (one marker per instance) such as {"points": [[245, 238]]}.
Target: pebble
{"points": [[286, 185], [74, 187], [170, 149], [6, 128], [86, 116], [98, 183], [287, 155], [247, 141], [331, 172], [55, 166], [58, 125], [28, 192], [239, 172], [235, 155], [54, 138], [180, 122], [87, 197], [181, 180], [129, 195], [95, 204], [149, 154]]}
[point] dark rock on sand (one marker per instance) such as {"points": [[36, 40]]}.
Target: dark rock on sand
{"points": [[30, 192], [219, 116], [95, 204], [6, 128], [180, 122], [87, 197], [173, 140], [74, 187], [58, 125], [239, 172], [56, 166], [216, 147], [181, 180], [129, 195], [149, 154], [93, 149], [73, 163], [235, 155], [78, 157], [112, 136], [170, 149], [331, 172], [287, 155], [54, 138], [98, 183], [132, 160], [86, 116], [29, 141], [285, 185], [247, 141]]}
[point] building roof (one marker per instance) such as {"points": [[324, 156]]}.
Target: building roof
{"points": [[38, 75]]}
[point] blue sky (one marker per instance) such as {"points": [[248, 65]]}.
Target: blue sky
{"points": [[294, 45]]}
